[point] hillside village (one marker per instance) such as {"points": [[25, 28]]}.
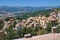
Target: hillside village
{"points": [[36, 25], [29, 19], [34, 21]]}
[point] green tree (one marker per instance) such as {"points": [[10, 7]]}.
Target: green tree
{"points": [[58, 29], [14, 23], [11, 34], [48, 28], [1, 24], [7, 19]]}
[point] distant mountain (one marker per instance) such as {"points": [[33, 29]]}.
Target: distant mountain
{"points": [[22, 10]]}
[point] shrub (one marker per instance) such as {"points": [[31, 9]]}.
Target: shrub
{"points": [[11, 34], [1, 24], [58, 29], [38, 28], [43, 31], [48, 28]]}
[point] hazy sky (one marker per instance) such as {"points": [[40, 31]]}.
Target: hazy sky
{"points": [[33, 3]]}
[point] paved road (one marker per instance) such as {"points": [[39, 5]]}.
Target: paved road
{"points": [[44, 37]]}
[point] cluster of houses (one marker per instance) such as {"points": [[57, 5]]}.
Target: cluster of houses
{"points": [[36, 21], [40, 20]]}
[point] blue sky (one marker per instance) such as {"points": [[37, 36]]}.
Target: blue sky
{"points": [[33, 3]]}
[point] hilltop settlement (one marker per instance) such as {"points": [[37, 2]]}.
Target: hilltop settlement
{"points": [[38, 25]]}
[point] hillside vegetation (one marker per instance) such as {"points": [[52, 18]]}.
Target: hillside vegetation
{"points": [[32, 14]]}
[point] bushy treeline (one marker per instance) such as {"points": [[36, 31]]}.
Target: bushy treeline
{"points": [[13, 34]]}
